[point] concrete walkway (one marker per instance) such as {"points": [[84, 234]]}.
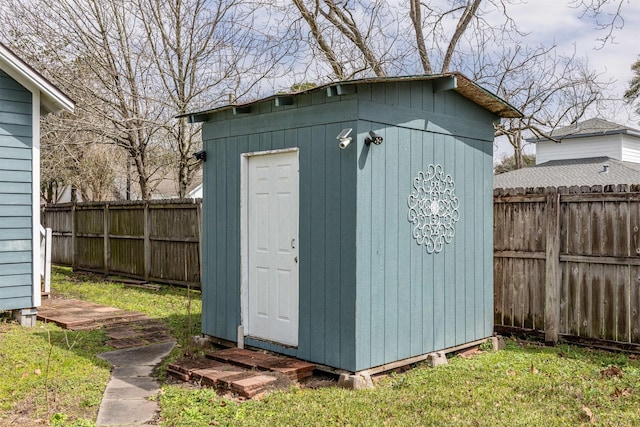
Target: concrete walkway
{"points": [[126, 399]]}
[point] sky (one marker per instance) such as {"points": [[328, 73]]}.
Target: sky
{"points": [[550, 21]]}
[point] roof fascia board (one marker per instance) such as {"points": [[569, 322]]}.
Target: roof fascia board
{"points": [[51, 97], [448, 81]]}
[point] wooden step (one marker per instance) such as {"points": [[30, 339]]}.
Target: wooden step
{"points": [[222, 376], [294, 369], [82, 315]]}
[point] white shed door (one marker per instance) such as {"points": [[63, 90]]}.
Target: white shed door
{"points": [[272, 233]]}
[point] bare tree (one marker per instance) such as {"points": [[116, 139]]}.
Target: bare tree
{"points": [[607, 13], [204, 53], [75, 161], [133, 65], [549, 88], [632, 94], [101, 41]]}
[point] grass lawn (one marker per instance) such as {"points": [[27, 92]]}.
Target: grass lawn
{"points": [[51, 376], [524, 385]]}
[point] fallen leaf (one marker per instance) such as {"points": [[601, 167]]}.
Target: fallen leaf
{"points": [[634, 356], [620, 393], [37, 372], [561, 354], [25, 375], [533, 369], [588, 413], [613, 371]]}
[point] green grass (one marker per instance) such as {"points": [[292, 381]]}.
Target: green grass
{"points": [[524, 385], [46, 371], [51, 376], [169, 304]]}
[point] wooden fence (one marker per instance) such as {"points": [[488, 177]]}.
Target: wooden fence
{"points": [[157, 241], [567, 263]]}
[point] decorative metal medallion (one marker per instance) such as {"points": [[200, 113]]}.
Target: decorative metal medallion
{"points": [[433, 208]]}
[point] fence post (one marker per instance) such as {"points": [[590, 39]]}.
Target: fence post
{"points": [[107, 240], [199, 220], [147, 241], [48, 236], [552, 262], [74, 237]]}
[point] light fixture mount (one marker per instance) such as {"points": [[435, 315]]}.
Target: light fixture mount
{"points": [[373, 137]]}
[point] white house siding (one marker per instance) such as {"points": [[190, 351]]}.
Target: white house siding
{"points": [[578, 148], [630, 149]]}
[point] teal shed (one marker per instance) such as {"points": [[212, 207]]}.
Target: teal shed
{"points": [[24, 96], [350, 225]]}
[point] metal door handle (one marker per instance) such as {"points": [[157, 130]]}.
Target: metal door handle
{"points": [[293, 243]]}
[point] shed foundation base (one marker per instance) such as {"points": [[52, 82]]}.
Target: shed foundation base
{"points": [[26, 316], [359, 381], [498, 343], [202, 342], [436, 359]]}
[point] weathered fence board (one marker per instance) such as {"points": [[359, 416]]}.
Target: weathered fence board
{"points": [[567, 262], [157, 240]]}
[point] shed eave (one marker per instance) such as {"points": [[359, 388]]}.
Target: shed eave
{"points": [[454, 81]]}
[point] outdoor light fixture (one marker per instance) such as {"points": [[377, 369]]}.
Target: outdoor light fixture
{"points": [[200, 155], [373, 137], [344, 138]]}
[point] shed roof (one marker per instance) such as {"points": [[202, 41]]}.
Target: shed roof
{"points": [[559, 173], [51, 99], [590, 127], [454, 81]]}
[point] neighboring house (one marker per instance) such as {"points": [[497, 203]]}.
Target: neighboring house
{"points": [[593, 152], [350, 225], [196, 192], [25, 95]]}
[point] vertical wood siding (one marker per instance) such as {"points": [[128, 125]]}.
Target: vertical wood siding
{"points": [[410, 302], [16, 271], [598, 258], [326, 230], [369, 294]]}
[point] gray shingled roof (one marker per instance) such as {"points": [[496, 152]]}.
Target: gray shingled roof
{"points": [[590, 127], [558, 173]]}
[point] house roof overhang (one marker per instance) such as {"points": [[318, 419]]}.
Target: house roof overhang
{"points": [[449, 81], [588, 129], [52, 99]]}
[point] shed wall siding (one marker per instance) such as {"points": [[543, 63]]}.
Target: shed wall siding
{"points": [[410, 302], [326, 230], [16, 264], [369, 295]]}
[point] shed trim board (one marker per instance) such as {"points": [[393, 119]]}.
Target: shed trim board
{"points": [[369, 294], [35, 201]]}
